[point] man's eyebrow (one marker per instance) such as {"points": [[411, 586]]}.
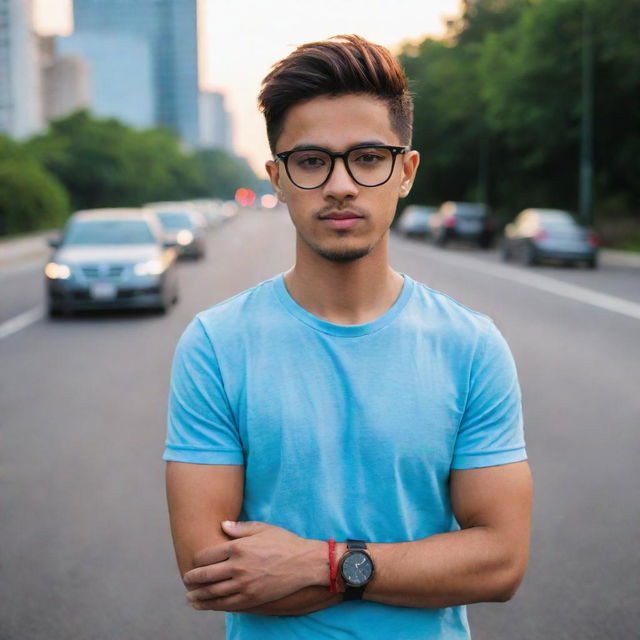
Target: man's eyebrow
{"points": [[310, 145]]}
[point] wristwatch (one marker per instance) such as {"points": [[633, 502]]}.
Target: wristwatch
{"points": [[356, 569]]}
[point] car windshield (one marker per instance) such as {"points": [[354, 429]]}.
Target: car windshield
{"points": [[470, 211], [559, 225], [557, 220], [109, 232], [172, 220]]}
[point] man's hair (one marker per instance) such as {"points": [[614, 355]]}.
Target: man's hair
{"points": [[339, 66]]}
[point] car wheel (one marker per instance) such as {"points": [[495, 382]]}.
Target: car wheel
{"points": [[164, 306], [441, 240], [530, 257], [506, 254], [485, 241], [54, 312], [592, 263]]}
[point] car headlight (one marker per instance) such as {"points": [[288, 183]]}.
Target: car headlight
{"points": [[184, 237], [56, 271], [150, 268]]}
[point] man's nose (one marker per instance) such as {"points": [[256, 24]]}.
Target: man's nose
{"points": [[340, 184]]}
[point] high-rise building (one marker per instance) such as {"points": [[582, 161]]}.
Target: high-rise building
{"points": [[215, 122], [20, 78], [122, 74], [169, 27], [66, 81]]}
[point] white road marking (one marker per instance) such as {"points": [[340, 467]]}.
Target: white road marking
{"points": [[536, 281], [20, 322]]}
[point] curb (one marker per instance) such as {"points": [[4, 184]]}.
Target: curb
{"points": [[25, 248], [614, 258]]}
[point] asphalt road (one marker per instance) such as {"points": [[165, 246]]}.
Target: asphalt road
{"points": [[85, 550]]}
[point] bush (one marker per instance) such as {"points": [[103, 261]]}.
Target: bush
{"points": [[30, 198]]}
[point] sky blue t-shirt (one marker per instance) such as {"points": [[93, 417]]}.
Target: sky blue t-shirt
{"points": [[346, 431]]}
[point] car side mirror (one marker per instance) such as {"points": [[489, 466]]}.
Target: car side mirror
{"points": [[54, 242], [169, 244]]}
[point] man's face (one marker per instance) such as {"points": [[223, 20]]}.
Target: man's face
{"points": [[337, 124]]}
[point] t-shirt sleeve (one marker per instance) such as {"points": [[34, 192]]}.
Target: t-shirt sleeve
{"points": [[490, 431], [200, 426]]}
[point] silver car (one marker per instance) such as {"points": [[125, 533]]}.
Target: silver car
{"points": [[537, 235], [184, 225], [111, 259], [414, 221], [466, 221]]}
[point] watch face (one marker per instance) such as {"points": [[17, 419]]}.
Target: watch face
{"points": [[357, 568]]}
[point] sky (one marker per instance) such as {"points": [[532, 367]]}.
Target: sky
{"points": [[240, 40]]}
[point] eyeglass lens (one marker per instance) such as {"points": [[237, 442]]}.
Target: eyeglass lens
{"points": [[309, 168]]}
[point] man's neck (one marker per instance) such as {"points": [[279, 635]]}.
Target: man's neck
{"points": [[351, 293]]}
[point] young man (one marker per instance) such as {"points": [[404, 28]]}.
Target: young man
{"points": [[344, 401]]}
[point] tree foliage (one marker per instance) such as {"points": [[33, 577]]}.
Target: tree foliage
{"points": [[224, 174], [82, 162], [498, 104], [30, 198]]}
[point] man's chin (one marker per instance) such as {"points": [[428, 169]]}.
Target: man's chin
{"points": [[344, 256]]}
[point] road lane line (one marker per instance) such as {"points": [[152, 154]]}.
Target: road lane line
{"points": [[537, 281], [21, 322]]}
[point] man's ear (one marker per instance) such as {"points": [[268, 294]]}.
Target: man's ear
{"points": [[411, 160], [273, 171]]}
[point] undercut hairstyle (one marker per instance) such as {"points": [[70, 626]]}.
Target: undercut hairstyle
{"points": [[339, 66]]}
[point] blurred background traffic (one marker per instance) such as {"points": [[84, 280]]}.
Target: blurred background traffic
{"points": [[133, 195]]}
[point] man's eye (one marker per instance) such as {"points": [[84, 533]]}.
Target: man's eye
{"points": [[310, 162], [368, 158]]}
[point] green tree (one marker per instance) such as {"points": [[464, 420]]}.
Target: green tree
{"points": [[225, 173], [30, 197], [104, 163], [498, 104]]}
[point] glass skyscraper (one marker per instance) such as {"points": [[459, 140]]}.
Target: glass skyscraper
{"points": [[170, 29], [20, 82]]}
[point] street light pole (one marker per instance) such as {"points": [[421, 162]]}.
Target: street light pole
{"points": [[586, 120]]}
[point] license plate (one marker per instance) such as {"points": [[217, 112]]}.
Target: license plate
{"points": [[468, 227], [103, 291]]}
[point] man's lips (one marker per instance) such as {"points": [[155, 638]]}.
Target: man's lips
{"points": [[340, 215], [341, 219]]}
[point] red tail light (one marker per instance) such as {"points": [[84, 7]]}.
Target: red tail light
{"points": [[541, 235], [450, 223], [594, 240]]}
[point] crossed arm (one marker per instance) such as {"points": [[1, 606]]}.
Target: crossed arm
{"points": [[262, 569]]}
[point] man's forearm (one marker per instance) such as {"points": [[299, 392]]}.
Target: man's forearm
{"points": [[302, 602], [444, 570], [449, 569]]}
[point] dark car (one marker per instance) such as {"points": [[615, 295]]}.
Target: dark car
{"points": [[111, 259], [414, 221], [466, 221], [537, 235], [184, 225]]}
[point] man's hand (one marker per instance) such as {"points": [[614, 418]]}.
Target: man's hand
{"points": [[263, 563]]}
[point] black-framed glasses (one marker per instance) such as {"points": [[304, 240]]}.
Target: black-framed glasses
{"points": [[368, 165]]}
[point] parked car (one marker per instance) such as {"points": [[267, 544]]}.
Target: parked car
{"points": [[467, 221], [414, 221], [108, 259], [549, 234], [184, 225]]}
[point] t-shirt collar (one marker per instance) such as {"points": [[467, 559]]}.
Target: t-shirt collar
{"points": [[352, 330]]}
